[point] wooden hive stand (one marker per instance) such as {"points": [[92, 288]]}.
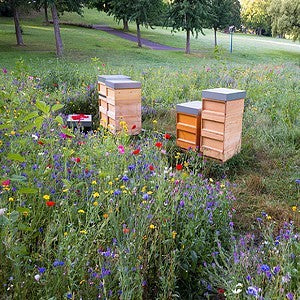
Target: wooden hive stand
{"points": [[102, 93], [188, 124], [123, 106], [221, 122]]}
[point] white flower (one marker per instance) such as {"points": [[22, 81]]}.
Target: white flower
{"points": [[37, 277], [238, 288], [35, 136], [2, 211]]}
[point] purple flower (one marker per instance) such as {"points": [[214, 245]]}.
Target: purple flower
{"points": [[58, 263], [4, 70], [297, 181], [264, 268], [276, 270], [290, 296], [42, 270], [252, 291], [117, 192], [125, 178]]}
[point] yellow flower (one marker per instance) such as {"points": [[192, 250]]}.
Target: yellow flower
{"points": [[110, 183], [186, 164], [82, 281], [222, 185], [144, 188], [122, 187], [269, 217], [154, 121], [152, 226], [176, 156], [96, 195], [150, 193], [65, 190], [105, 216], [83, 231], [211, 180], [94, 182], [174, 233], [65, 233], [12, 132], [294, 208], [95, 203], [10, 199], [25, 213], [81, 211], [46, 197]]}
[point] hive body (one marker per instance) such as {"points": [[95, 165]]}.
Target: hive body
{"points": [[221, 123], [120, 107], [188, 124]]}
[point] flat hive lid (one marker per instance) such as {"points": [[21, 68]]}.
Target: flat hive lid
{"points": [[191, 108], [102, 78], [223, 94], [123, 84], [79, 118]]}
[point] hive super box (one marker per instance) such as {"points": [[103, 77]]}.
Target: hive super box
{"points": [[122, 105], [221, 122], [188, 117]]}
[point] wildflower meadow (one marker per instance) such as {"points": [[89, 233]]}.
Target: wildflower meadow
{"points": [[91, 215]]}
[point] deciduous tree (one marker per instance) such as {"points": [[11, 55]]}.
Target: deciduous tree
{"points": [[190, 16]]}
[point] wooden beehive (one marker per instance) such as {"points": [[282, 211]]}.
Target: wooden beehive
{"points": [[188, 124], [101, 82], [102, 92], [122, 106], [221, 122]]}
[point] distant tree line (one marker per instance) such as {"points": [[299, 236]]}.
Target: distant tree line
{"points": [[281, 17]]}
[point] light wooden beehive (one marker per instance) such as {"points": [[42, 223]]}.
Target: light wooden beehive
{"points": [[102, 94], [123, 103], [221, 122], [188, 124]]}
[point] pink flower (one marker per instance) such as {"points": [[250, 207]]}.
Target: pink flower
{"points": [[121, 149], [4, 70], [6, 182]]}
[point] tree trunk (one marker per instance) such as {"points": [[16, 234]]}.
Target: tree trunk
{"points": [[46, 13], [125, 25], [216, 42], [18, 28], [188, 42], [138, 31], [59, 44]]}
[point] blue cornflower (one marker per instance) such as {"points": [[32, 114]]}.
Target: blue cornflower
{"points": [[290, 296], [125, 178], [264, 268], [117, 192], [58, 263], [252, 291], [276, 270], [42, 270], [146, 196]]}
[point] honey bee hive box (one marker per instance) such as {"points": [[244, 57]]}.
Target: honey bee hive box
{"points": [[123, 106], [188, 121], [221, 122]]}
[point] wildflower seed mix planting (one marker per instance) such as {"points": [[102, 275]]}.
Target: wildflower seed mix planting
{"points": [[154, 163]]}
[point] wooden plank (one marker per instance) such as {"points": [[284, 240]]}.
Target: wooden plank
{"points": [[111, 108], [211, 143], [213, 126], [188, 136], [102, 110], [212, 134], [186, 144], [124, 94], [213, 116], [213, 105], [187, 119], [133, 109], [213, 153], [235, 107], [186, 127], [102, 89]]}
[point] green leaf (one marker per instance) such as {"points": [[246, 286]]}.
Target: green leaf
{"points": [[16, 157], [22, 210], [28, 127], [42, 106], [28, 191], [20, 250], [24, 227], [67, 131], [18, 178], [3, 221], [56, 107], [59, 120], [13, 217], [39, 122], [30, 116]]}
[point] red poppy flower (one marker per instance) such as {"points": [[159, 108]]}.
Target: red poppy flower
{"points": [[151, 168], [167, 136], [136, 151], [179, 167], [76, 159], [158, 144], [221, 291], [40, 143], [50, 203], [6, 182], [133, 127], [126, 230]]}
